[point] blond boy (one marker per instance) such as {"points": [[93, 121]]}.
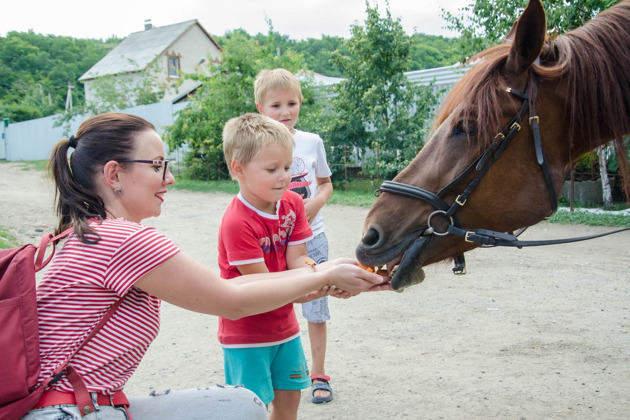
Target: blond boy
{"points": [[278, 95], [264, 229]]}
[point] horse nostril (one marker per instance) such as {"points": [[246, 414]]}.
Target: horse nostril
{"points": [[371, 237]]}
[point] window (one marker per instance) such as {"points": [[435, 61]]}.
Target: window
{"points": [[173, 66]]}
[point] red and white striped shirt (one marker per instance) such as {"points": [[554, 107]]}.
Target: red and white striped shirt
{"points": [[81, 283]]}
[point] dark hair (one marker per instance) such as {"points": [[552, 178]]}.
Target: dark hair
{"points": [[99, 139]]}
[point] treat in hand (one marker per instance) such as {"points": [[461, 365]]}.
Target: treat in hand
{"points": [[380, 271]]}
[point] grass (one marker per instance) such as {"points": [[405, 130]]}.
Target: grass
{"points": [[362, 197], [360, 193], [30, 165], [228, 187], [590, 219], [6, 239]]}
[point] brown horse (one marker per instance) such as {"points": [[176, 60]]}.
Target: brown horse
{"points": [[550, 101]]}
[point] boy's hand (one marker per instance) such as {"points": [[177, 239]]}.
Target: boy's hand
{"points": [[314, 295], [311, 208], [325, 291], [340, 294], [387, 285]]}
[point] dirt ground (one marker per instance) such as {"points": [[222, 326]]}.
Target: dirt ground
{"points": [[526, 334]]}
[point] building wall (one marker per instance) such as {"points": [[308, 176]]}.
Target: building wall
{"points": [[130, 79], [194, 50]]}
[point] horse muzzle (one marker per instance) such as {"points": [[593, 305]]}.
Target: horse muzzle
{"points": [[410, 270], [403, 258]]}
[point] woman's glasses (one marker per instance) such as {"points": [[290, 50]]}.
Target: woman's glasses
{"points": [[163, 163]]}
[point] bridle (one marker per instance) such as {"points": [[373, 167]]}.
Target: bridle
{"points": [[481, 166]]}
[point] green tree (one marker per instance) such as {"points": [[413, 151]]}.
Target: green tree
{"points": [[35, 71], [226, 92], [377, 109], [427, 51], [317, 53], [430, 51], [484, 23]]}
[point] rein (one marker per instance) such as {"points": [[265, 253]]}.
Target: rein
{"points": [[481, 166]]}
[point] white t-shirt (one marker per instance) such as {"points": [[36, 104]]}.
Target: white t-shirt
{"points": [[309, 163]]}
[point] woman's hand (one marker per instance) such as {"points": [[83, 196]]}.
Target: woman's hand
{"points": [[333, 263], [350, 278]]}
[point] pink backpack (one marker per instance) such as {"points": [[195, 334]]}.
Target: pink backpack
{"points": [[19, 332]]}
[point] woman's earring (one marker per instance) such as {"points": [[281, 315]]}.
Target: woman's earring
{"points": [[118, 191]]}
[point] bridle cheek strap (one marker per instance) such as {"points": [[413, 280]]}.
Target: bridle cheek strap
{"points": [[540, 154]]}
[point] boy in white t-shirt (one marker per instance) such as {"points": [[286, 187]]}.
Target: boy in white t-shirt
{"points": [[278, 95]]}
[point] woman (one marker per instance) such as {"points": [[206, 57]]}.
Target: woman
{"points": [[117, 177]]}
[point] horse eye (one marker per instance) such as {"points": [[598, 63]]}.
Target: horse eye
{"points": [[465, 129]]}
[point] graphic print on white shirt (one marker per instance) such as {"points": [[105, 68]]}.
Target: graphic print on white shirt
{"points": [[299, 178]]}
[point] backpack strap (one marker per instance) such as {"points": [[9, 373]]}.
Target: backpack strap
{"points": [[41, 249], [84, 401]]}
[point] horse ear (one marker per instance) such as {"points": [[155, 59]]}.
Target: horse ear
{"points": [[528, 35], [509, 38]]}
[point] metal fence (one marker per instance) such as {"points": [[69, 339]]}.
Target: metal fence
{"points": [[34, 139]]}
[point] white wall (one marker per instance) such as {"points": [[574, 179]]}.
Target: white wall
{"points": [[129, 80], [192, 47]]}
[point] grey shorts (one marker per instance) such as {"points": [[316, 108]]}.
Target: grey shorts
{"points": [[71, 412], [317, 310]]}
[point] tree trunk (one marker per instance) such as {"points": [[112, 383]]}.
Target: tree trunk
{"points": [[606, 191]]}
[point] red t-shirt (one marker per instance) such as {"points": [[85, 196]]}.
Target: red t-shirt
{"points": [[248, 236]]}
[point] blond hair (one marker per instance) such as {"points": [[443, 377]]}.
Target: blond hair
{"points": [[244, 136], [275, 79]]}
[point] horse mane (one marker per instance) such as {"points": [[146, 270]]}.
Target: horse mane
{"points": [[480, 113], [591, 62]]}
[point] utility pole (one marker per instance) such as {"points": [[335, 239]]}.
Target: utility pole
{"points": [[69, 98]]}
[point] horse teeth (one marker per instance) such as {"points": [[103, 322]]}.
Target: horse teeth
{"points": [[393, 271]]}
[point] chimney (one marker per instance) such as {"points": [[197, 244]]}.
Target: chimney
{"points": [[147, 24]]}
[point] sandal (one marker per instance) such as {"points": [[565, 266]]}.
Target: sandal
{"points": [[323, 385]]}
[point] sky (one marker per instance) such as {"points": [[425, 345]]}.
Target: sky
{"points": [[300, 19]]}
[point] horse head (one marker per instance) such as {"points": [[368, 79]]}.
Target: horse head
{"points": [[499, 150]]}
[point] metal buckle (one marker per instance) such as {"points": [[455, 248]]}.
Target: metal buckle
{"points": [[435, 232], [535, 118], [460, 203], [518, 126], [468, 233]]}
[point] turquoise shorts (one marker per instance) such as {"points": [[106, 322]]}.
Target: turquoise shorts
{"points": [[263, 369]]}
